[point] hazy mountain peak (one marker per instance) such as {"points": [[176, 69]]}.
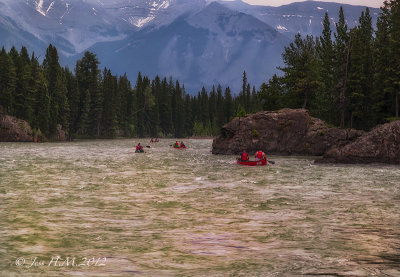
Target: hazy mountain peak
{"points": [[218, 18]]}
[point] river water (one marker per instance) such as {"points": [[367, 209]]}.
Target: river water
{"points": [[96, 208]]}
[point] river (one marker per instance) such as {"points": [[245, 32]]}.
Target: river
{"points": [[96, 208]]}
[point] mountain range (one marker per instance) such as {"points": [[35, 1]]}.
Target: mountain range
{"points": [[197, 42]]}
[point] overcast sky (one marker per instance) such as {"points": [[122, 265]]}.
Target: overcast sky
{"points": [[369, 3]]}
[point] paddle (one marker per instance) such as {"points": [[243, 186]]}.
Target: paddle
{"points": [[271, 162], [148, 146]]}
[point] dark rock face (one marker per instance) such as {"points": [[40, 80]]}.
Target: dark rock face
{"points": [[381, 145], [285, 132], [14, 130]]}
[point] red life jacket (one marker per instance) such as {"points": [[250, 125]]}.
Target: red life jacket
{"points": [[259, 154], [244, 157], [138, 147]]}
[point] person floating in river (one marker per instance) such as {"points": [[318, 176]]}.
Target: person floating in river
{"points": [[176, 145], [260, 155]]}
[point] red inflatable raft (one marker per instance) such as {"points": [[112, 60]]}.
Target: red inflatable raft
{"points": [[180, 147], [252, 163]]}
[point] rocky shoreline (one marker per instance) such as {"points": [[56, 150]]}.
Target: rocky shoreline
{"points": [[295, 132], [381, 145], [13, 129]]}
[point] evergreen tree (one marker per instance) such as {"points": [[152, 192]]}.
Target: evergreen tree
{"points": [[140, 105], [220, 108], [83, 122], [354, 84], [155, 110], [248, 98], [229, 107], [212, 108], [241, 112], [188, 124], [24, 92], [165, 108], [73, 99], [255, 105], [127, 120], [41, 105], [18, 97], [177, 110], [383, 94], [109, 116], [301, 70], [395, 51], [341, 63], [271, 94], [87, 75], [150, 104], [242, 95], [63, 105], [7, 82], [56, 83], [196, 108], [204, 107], [325, 96], [360, 79]]}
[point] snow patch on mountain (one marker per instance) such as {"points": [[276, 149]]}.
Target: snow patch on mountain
{"points": [[39, 7], [49, 8], [165, 5], [65, 13], [140, 22], [281, 28]]}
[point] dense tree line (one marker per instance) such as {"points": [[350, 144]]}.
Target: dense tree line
{"points": [[91, 103], [350, 78]]}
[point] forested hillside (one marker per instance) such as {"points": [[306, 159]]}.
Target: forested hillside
{"points": [[97, 104], [350, 79]]}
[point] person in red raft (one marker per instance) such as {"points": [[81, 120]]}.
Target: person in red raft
{"points": [[139, 149], [244, 157], [260, 155]]}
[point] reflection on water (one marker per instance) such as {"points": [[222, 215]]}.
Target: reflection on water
{"points": [[169, 212]]}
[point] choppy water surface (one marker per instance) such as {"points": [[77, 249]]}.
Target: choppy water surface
{"points": [[171, 212]]}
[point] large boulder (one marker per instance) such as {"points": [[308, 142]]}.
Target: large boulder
{"points": [[381, 145], [285, 132], [14, 130]]}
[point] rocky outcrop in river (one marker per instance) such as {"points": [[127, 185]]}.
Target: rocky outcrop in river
{"points": [[14, 129], [285, 132], [381, 145]]}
